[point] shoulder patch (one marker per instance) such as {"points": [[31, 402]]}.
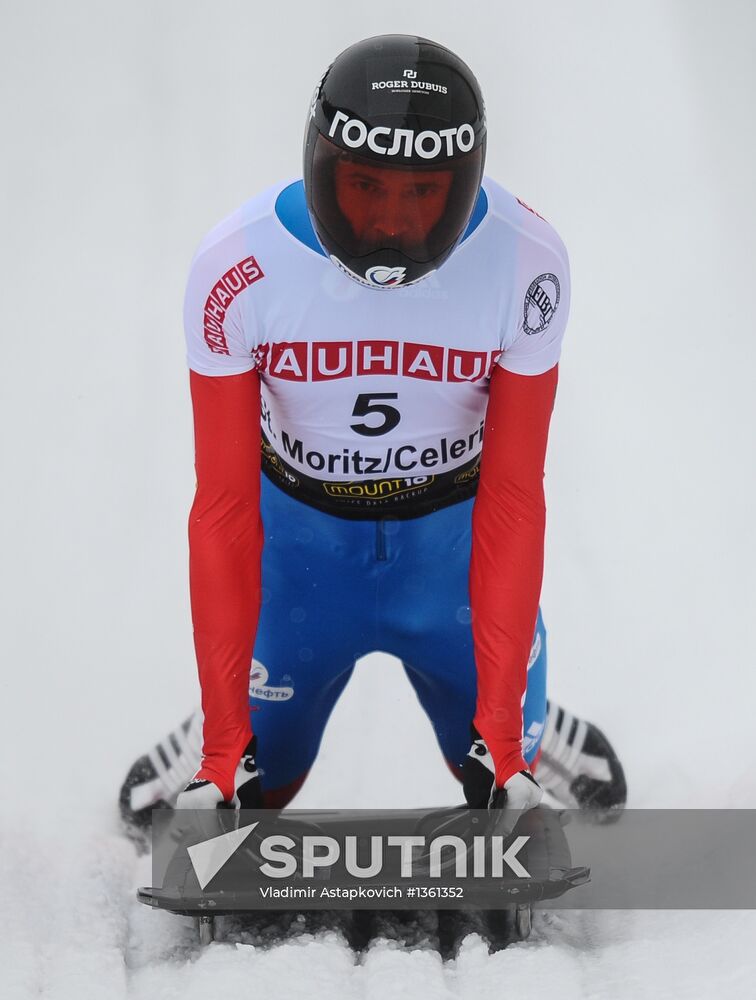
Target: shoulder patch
{"points": [[541, 303]]}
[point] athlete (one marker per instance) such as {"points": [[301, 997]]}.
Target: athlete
{"points": [[373, 356]]}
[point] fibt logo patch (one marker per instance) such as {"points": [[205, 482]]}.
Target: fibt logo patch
{"points": [[541, 302]]}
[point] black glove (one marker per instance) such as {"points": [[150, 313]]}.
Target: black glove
{"points": [[519, 793], [247, 779]]}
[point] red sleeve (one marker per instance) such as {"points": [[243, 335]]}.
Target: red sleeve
{"points": [[225, 546], [506, 568]]}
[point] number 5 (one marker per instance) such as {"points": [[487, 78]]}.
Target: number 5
{"points": [[365, 405]]}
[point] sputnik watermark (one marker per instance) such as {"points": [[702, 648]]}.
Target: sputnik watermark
{"points": [[278, 856], [416, 855]]}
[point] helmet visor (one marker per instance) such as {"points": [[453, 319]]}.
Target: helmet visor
{"points": [[365, 205]]}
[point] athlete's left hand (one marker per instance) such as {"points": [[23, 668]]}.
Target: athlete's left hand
{"points": [[203, 794]]}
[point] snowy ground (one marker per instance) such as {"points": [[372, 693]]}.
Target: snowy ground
{"points": [[87, 939], [74, 931], [129, 130]]}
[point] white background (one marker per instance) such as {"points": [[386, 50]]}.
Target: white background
{"points": [[128, 130]]}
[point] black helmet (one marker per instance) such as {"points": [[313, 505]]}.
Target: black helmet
{"points": [[393, 158]]}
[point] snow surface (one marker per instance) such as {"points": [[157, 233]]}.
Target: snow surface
{"points": [[128, 131]]}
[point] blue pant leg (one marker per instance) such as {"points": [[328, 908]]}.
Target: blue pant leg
{"points": [[427, 623], [449, 701], [317, 617]]}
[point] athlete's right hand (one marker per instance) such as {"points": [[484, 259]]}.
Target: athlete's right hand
{"points": [[203, 794], [506, 803]]}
